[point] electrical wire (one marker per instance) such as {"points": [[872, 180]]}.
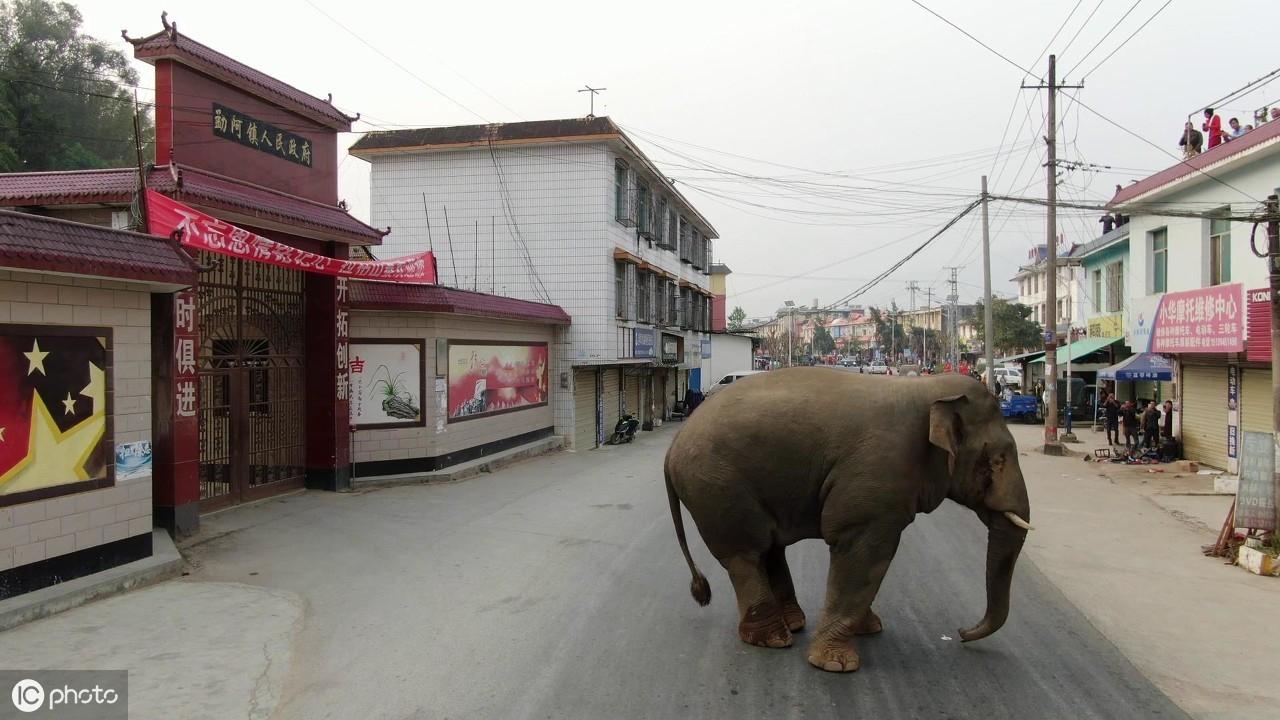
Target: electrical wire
{"points": [[1126, 40]]}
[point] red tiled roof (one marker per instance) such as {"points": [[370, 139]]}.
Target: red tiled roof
{"points": [[168, 43], [117, 185], [366, 295], [32, 242], [1205, 162], [528, 131]]}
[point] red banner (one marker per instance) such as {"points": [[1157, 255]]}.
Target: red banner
{"points": [[205, 232], [1258, 345], [1208, 320]]}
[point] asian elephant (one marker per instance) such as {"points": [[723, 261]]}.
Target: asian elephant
{"points": [[824, 453]]}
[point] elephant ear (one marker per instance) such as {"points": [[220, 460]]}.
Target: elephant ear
{"points": [[944, 426]]}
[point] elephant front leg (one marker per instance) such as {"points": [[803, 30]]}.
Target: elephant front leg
{"points": [[760, 616], [783, 589], [858, 566]]}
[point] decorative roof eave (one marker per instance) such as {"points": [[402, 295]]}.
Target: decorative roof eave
{"points": [[374, 296], [168, 44]]}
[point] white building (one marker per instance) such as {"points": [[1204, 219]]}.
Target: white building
{"points": [[1033, 287], [569, 212], [1176, 264]]}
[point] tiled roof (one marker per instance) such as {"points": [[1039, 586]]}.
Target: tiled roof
{"points": [[33, 242], [1205, 162], [117, 185], [168, 43], [366, 295], [531, 131], [1116, 234]]}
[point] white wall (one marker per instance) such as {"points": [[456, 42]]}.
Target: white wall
{"points": [[729, 353]]}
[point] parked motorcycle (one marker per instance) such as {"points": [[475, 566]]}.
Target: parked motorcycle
{"points": [[624, 431]]}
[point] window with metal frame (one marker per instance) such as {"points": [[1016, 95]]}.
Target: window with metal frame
{"points": [[1159, 260], [1219, 251], [1115, 286], [619, 288], [1095, 298]]}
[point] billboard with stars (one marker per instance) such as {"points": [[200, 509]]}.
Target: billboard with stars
{"points": [[53, 411]]}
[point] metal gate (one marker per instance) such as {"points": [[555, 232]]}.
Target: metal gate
{"points": [[252, 381]]}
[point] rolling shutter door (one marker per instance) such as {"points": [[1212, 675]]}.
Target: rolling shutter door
{"points": [[612, 395], [1255, 401], [584, 408], [632, 380], [1204, 414]]}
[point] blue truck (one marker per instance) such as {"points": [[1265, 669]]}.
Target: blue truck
{"points": [[1023, 407]]}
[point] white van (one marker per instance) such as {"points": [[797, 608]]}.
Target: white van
{"points": [[729, 379], [1009, 376]]}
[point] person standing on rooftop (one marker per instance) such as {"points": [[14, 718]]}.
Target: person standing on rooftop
{"points": [[1213, 126]]}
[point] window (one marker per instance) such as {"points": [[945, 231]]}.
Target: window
{"points": [[686, 234], [673, 304], [620, 288], [1095, 299], [644, 297], [673, 230], [644, 210], [1115, 286], [620, 192], [1219, 251], [660, 222], [1159, 260], [1035, 283]]}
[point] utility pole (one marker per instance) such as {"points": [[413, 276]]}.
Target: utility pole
{"points": [[953, 327], [912, 287], [1273, 273], [924, 341], [988, 339], [1051, 444]]}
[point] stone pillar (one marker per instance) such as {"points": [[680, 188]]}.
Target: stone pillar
{"points": [[175, 431], [328, 421]]}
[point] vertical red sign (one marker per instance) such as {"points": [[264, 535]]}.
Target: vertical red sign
{"points": [[186, 394], [1258, 345], [342, 335]]}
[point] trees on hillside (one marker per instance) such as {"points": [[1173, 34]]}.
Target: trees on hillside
{"points": [[65, 97]]}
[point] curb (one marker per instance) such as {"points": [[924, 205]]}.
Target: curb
{"points": [[466, 470], [165, 563]]}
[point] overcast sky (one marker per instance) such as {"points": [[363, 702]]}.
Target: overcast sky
{"points": [[860, 128]]}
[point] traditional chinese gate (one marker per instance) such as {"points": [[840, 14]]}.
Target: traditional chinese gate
{"points": [[252, 421]]}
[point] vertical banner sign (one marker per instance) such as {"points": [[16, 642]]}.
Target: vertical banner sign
{"points": [[1233, 414], [341, 335], [1255, 495], [186, 381]]}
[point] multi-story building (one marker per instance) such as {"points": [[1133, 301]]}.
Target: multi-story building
{"points": [[1033, 287], [573, 213], [1194, 283], [1102, 273]]}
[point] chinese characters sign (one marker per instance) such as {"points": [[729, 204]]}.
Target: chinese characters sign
{"points": [[254, 133], [205, 232], [1208, 320], [53, 411], [386, 383], [1255, 495], [487, 379]]}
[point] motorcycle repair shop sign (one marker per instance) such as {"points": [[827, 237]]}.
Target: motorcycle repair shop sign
{"points": [[387, 376]]}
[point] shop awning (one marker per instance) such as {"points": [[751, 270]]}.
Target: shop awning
{"points": [[1081, 348], [1143, 366], [1018, 358]]}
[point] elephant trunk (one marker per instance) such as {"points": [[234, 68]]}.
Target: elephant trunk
{"points": [[1004, 543]]}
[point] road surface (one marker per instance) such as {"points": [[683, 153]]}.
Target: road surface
{"points": [[555, 589]]}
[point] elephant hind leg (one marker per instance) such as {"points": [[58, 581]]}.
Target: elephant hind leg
{"points": [[760, 616], [783, 589]]}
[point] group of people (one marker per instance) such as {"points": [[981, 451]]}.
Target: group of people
{"points": [[1193, 141], [1142, 429]]}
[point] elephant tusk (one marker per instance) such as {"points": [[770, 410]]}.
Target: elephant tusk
{"points": [[1013, 518]]}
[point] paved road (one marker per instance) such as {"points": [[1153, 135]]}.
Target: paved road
{"points": [[555, 589]]}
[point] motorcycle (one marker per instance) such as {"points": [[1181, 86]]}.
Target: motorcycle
{"points": [[624, 431]]}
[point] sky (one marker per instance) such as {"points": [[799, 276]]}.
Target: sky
{"points": [[824, 140]]}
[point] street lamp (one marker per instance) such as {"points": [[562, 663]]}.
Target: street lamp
{"points": [[791, 326]]}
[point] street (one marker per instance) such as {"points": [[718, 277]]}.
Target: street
{"points": [[555, 589]]}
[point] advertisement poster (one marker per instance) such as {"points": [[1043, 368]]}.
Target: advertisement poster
{"points": [[386, 383], [1208, 320], [133, 460], [1255, 496], [485, 379], [53, 411], [1233, 411]]}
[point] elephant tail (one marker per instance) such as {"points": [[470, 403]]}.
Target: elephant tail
{"points": [[699, 587]]}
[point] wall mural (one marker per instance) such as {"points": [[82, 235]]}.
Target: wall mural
{"points": [[386, 383], [53, 411], [485, 378]]}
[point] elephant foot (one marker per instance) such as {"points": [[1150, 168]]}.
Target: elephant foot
{"points": [[834, 656], [764, 627], [793, 615], [869, 624]]}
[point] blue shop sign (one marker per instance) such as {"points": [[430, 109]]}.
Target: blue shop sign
{"points": [[644, 343]]}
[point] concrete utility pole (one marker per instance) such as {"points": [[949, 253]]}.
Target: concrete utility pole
{"points": [[1051, 444], [924, 342], [988, 340], [1273, 273], [953, 324]]}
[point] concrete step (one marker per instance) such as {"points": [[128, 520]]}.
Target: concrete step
{"points": [[463, 471]]}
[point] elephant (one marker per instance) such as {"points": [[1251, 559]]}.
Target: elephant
{"points": [[823, 453]]}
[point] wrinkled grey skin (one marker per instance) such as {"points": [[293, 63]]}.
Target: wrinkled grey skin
{"points": [[822, 453]]}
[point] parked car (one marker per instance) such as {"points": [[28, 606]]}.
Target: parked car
{"points": [[877, 368], [1009, 376], [729, 379]]}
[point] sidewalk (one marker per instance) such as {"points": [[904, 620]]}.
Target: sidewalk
{"points": [[1123, 545]]}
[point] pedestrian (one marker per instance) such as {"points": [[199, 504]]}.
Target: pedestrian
{"points": [[1213, 126], [1151, 426], [1129, 420], [1236, 130], [1166, 428], [1108, 223], [1192, 141], [1111, 410]]}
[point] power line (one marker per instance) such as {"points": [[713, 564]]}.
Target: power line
{"points": [[969, 35], [1126, 40], [1114, 27], [1079, 30]]}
